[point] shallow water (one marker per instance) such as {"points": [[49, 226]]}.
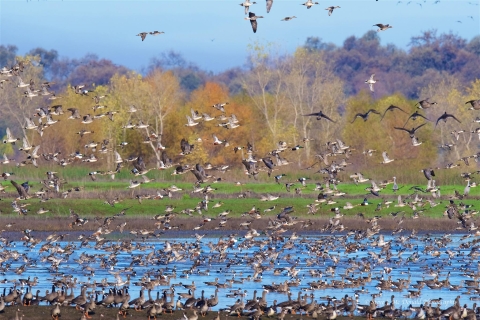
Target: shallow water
{"points": [[238, 261]]}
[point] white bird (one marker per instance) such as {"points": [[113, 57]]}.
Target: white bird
{"points": [[386, 159], [247, 5], [10, 138], [371, 81], [190, 122], [30, 125], [309, 4], [118, 158]]}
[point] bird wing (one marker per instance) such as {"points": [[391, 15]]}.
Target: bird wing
{"points": [[20, 189], [118, 158], [385, 156], [452, 116], [370, 85], [402, 129], [9, 134], [356, 116], [415, 129], [254, 25], [269, 5]]}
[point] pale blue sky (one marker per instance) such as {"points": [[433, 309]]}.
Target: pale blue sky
{"points": [[214, 34]]}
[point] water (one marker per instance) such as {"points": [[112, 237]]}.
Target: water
{"points": [[313, 254]]}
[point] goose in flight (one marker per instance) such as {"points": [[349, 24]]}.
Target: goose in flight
{"points": [[364, 116], [424, 104], [475, 104], [382, 27], [253, 20], [288, 18], [247, 5], [411, 131], [371, 81], [319, 115], [156, 33], [414, 117], [391, 108], [445, 116], [330, 9]]}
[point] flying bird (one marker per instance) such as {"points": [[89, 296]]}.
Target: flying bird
{"points": [[411, 131], [247, 5], [364, 116], [414, 117], [330, 9], [445, 116], [391, 108], [143, 35], [269, 5], [288, 18], [309, 4], [475, 104], [156, 33], [382, 27], [253, 20], [371, 81], [319, 115], [424, 104]]}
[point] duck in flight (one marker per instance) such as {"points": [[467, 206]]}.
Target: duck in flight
{"points": [[247, 5], [331, 8], [269, 5], [309, 4]]}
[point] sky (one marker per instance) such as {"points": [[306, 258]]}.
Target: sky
{"points": [[214, 34]]}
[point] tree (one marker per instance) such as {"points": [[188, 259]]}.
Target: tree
{"points": [[263, 84], [154, 96], [7, 55], [310, 86]]}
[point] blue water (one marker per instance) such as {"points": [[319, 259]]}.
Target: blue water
{"points": [[238, 260]]}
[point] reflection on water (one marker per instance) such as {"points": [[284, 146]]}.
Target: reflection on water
{"points": [[334, 264]]}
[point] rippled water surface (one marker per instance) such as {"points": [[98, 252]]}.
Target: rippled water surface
{"points": [[420, 257]]}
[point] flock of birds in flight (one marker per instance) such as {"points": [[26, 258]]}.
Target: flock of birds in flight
{"points": [[117, 295]]}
